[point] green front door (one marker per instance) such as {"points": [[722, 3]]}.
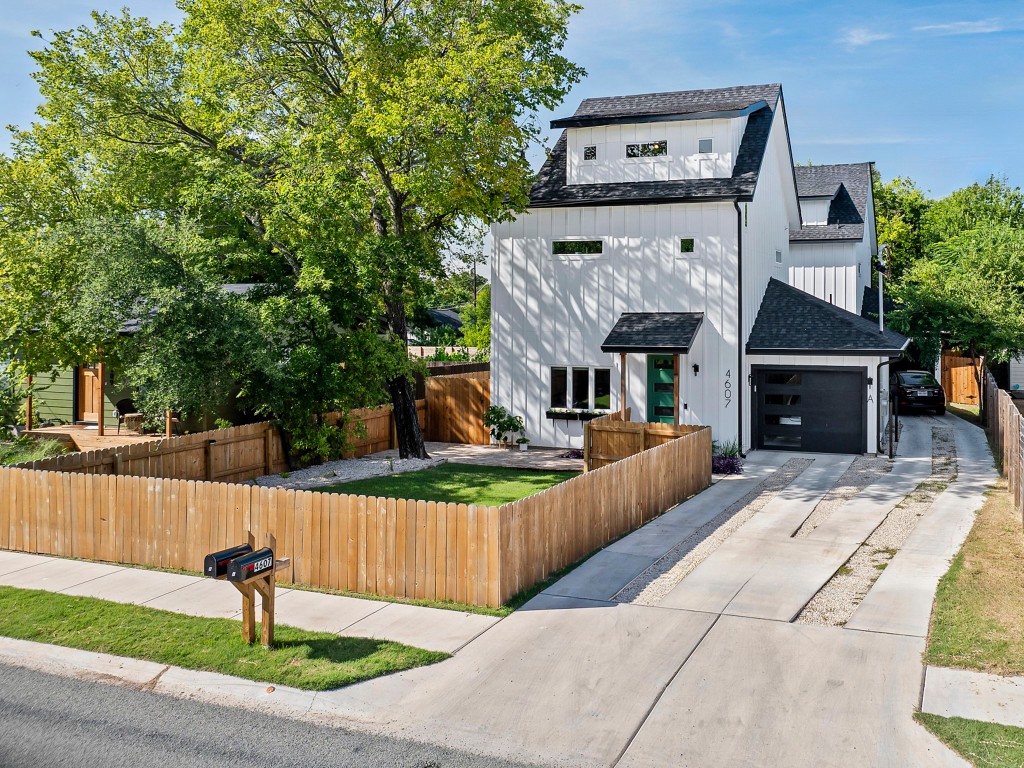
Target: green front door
{"points": [[660, 407]]}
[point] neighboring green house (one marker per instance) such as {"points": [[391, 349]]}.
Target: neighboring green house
{"points": [[73, 396]]}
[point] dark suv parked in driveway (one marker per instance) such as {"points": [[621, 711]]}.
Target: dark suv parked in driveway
{"points": [[919, 389]]}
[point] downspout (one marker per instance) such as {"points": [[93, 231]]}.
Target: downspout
{"points": [[740, 341]]}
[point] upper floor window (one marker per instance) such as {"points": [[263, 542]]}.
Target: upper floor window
{"points": [[687, 245], [576, 247], [647, 149], [778, 257], [590, 153], [705, 146]]}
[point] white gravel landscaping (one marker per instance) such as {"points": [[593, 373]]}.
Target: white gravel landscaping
{"points": [[344, 471]]}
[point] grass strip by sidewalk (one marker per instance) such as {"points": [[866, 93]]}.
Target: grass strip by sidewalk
{"points": [[983, 744], [460, 483], [314, 661], [978, 616]]}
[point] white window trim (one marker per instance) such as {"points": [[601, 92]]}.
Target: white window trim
{"points": [[694, 254], [602, 256], [653, 159], [597, 150]]}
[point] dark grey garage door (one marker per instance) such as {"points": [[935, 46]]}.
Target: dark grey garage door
{"points": [[810, 409]]}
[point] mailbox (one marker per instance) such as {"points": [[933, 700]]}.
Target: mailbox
{"points": [[216, 565], [252, 565]]}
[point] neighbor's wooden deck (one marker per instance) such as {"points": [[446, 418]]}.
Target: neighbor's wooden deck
{"points": [[81, 438]]}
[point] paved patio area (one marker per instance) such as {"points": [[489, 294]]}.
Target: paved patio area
{"points": [[496, 456]]}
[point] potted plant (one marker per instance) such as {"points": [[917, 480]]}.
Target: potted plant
{"points": [[524, 443], [562, 413], [502, 424]]}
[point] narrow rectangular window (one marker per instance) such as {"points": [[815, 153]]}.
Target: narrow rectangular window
{"points": [[647, 149], [687, 245], [590, 153], [603, 388], [559, 387], [581, 388], [778, 257], [705, 146], [576, 247]]}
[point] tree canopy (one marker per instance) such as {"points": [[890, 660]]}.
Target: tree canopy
{"points": [[331, 151]]}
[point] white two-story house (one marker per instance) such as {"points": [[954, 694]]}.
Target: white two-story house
{"points": [[673, 261]]}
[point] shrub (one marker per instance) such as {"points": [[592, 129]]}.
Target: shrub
{"points": [[726, 465]]}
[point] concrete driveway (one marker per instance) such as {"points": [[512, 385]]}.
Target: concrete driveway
{"points": [[716, 673]]}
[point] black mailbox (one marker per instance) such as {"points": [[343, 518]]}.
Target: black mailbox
{"points": [[216, 565], [249, 566]]}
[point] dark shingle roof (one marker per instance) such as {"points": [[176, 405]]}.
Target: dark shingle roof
{"points": [[668, 332], [682, 105], [793, 322], [849, 187], [448, 317], [550, 189]]}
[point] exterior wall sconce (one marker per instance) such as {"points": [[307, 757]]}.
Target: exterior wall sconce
{"points": [[696, 369]]}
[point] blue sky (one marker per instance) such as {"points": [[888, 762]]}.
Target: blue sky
{"points": [[933, 91]]}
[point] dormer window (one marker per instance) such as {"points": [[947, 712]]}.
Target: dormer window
{"points": [[705, 146], [590, 153], [647, 149]]}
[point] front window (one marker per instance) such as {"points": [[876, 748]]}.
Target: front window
{"points": [[705, 146], [576, 247], [559, 387], [581, 388]]}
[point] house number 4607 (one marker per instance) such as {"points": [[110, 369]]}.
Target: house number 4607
{"points": [[728, 388]]}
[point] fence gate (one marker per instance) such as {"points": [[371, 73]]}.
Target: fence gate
{"points": [[456, 406], [959, 378]]}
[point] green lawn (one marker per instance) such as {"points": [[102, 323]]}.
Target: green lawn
{"points": [[29, 449], [983, 744], [461, 483], [313, 661], [978, 616]]}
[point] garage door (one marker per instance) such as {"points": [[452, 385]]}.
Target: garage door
{"points": [[810, 409]]}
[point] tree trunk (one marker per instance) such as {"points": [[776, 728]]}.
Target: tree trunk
{"points": [[403, 399], [980, 379]]}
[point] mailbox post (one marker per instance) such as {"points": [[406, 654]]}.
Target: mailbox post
{"points": [[251, 571]]}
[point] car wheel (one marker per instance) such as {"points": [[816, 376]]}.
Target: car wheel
{"points": [[940, 411]]}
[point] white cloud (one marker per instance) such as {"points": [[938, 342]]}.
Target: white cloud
{"points": [[859, 36], [982, 27]]}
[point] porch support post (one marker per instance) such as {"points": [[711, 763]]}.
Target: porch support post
{"points": [[28, 405], [101, 372], [622, 385], [675, 390]]}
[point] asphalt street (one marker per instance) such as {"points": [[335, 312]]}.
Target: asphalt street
{"points": [[57, 722]]}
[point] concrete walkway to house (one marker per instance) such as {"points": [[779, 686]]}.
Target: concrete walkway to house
{"points": [[715, 673], [431, 628]]}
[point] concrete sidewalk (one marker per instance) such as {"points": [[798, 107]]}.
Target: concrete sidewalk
{"points": [[434, 629]]}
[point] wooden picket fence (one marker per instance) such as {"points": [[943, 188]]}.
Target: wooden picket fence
{"points": [[1005, 427], [959, 378], [390, 547], [610, 438], [456, 406]]}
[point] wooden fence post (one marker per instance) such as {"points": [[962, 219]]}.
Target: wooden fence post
{"points": [[268, 442], [208, 458]]}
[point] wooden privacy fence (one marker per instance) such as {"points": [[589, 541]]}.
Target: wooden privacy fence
{"points": [[959, 378], [225, 455], [610, 438], [456, 406], [390, 547], [1005, 427]]}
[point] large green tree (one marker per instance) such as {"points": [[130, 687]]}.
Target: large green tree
{"points": [[335, 147], [900, 208]]}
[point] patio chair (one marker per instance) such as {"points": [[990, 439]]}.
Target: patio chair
{"points": [[126, 413]]}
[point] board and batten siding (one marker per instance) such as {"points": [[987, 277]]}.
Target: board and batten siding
{"points": [[767, 221], [556, 310], [1017, 373], [682, 161], [831, 271], [868, 364]]}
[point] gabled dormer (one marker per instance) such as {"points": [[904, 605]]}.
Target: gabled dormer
{"points": [[835, 202], [660, 147]]}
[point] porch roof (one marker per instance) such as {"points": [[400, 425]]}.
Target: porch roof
{"points": [[664, 332]]}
